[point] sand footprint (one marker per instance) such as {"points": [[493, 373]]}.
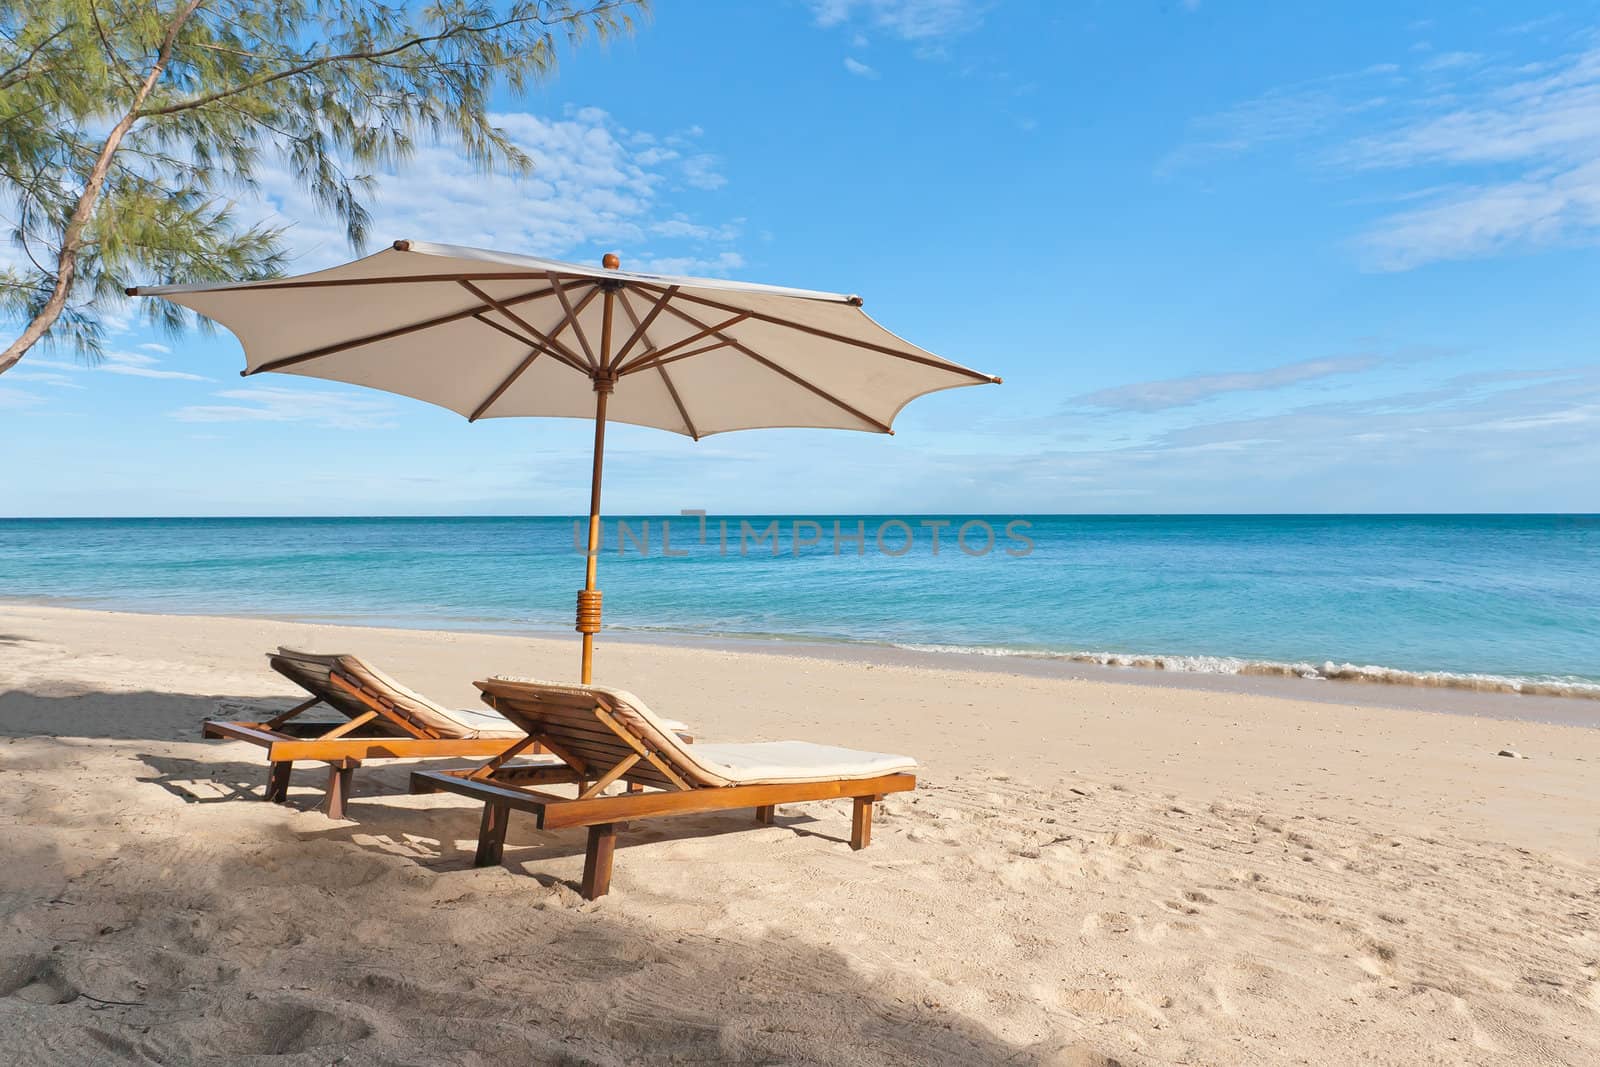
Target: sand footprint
{"points": [[284, 1027], [36, 980]]}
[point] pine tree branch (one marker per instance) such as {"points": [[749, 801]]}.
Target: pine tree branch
{"points": [[73, 234], [371, 55], [18, 71]]}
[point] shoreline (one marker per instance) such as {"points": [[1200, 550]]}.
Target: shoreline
{"points": [[1390, 689]]}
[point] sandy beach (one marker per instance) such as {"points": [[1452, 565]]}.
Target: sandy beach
{"points": [[1091, 872]]}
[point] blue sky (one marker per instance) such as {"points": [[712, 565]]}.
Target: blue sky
{"points": [[1228, 257]]}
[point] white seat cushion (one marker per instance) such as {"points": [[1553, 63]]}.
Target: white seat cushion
{"points": [[772, 762], [493, 724], [504, 723], [484, 723]]}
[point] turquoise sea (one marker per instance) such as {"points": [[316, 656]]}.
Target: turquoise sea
{"points": [[1483, 601]]}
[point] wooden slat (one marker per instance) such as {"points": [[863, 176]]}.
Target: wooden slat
{"points": [[557, 811], [607, 778], [242, 731], [565, 812], [446, 782], [349, 726], [278, 720], [377, 702], [535, 774], [366, 748], [639, 747], [500, 760]]}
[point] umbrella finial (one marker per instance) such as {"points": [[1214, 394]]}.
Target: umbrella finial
{"points": [[611, 261]]}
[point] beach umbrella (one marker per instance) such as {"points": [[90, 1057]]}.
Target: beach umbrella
{"points": [[493, 335]]}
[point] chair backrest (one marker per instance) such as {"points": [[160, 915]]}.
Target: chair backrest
{"points": [[402, 710], [567, 719]]}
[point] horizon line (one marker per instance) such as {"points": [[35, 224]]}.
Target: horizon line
{"points": [[831, 514]]}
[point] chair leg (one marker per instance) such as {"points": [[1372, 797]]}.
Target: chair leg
{"points": [[766, 813], [278, 781], [338, 791], [597, 860], [861, 824], [491, 835]]}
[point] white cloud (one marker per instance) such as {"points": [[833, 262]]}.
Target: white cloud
{"points": [[15, 399], [595, 185], [1537, 210], [911, 20], [719, 264], [333, 409], [53, 379], [129, 364], [1544, 128], [1451, 60], [858, 68], [680, 226], [701, 172], [1504, 155], [140, 365], [1192, 389]]}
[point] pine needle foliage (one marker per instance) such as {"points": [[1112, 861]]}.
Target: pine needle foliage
{"points": [[129, 129]]}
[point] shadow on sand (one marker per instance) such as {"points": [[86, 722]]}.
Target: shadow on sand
{"points": [[365, 943]]}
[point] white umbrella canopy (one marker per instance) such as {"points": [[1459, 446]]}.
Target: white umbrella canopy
{"points": [[496, 335]]}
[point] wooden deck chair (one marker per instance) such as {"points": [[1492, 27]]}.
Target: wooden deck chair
{"points": [[382, 720], [604, 736]]}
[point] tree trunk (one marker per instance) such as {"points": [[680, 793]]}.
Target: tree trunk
{"points": [[72, 237]]}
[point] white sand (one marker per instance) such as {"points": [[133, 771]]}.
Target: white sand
{"points": [[1089, 873]]}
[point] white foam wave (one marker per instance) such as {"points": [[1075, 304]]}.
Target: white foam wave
{"points": [[1326, 671]]}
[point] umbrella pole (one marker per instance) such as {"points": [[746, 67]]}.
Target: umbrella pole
{"points": [[589, 597], [605, 380]]}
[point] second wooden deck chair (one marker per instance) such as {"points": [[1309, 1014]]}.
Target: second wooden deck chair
{"points": [[381, 719], [603, 736]]}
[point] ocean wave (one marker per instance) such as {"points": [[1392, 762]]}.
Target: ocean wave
{"points": [[1328, 671]]}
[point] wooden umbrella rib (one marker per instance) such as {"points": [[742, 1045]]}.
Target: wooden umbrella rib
{"points": [[577, 327], [640, 327], [510, 380], [334, 283], [647, 364], [390, 334], [545, 339], [672, 390], [657, 354], [546, 344], [789, 374], [683, 412], [532, 343], [815, 331]]}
